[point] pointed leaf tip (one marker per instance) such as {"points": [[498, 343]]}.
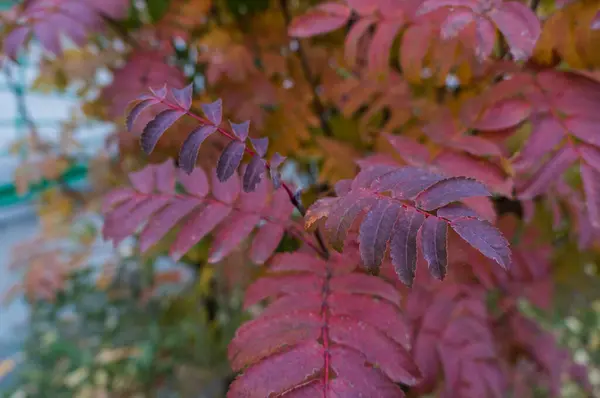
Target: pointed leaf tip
{"points": [[136, 111], [240, 130], [214, 111], [161, 92], [260, 145], [230, 160], [183, 96]]}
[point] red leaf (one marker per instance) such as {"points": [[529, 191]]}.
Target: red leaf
{"points": [[448, 191], [546, 133], [356, 32], [230, 160], [377, 348], [502, 115], [584, 128], [164, 221], [365, 284], [231, 234], [321, 19], [519, 25], [292, 367], [201, 223], [157, 126], [266, 242], [195, 183], [381, 44], [549, 172], [590, 155], [214, 111], [363, 380], [485, 238], [403, 246], [591, 187], [434, 244], [257, 339]]}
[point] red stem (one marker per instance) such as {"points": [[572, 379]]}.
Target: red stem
{"points": [[323, 252]]}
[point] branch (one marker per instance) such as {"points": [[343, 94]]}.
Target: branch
{"points": [[323, 252], [317, 104]]}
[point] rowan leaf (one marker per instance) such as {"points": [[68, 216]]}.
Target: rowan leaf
{"points": [[591, 187], [201, 209], [188, 154], [549, 172], [403, 246], [230, 160], [183, 96], [321, 19], [434, 244], [375, 233], [321, 331], [240, 130], [214, 111], [448, 191], [485, 238], [156, 128]]}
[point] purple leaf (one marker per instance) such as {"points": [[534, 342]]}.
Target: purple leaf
{"points": [[253, 174], [230, 160], [188, 154], [449, 190], [485, 238], [549, 172], [406, 182], [457, 210], [165, 220], [276, 161], [591, 187], [375, 232], [403, 246], [157, 126], [214, 111], [136, 111], [240, 130], [183, 96], [342, 216], [434, 245], [260, 145], [161, 93]]}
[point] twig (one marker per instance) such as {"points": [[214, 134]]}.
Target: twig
{"points": [[293, 198], [317, 104]]}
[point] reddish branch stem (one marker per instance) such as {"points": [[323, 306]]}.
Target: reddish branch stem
{"points": [[322, 251]]}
